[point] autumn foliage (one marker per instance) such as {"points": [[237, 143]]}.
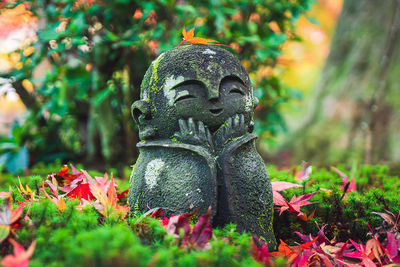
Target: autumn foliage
{"points": [[80, 203]]}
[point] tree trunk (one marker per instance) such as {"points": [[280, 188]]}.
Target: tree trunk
{"points": [[356, 105]]}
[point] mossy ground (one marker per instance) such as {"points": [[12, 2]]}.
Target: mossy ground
{"points": [[86, 238]]}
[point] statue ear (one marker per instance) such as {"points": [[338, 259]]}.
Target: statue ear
{"points": [[140, 108], [255, 102]]}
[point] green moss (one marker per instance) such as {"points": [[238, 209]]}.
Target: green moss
{"points": [[75, 238], [173, 139], [154, 83]]}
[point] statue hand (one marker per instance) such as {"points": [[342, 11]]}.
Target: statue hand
{"points": [[194, 133], [232, 128]]}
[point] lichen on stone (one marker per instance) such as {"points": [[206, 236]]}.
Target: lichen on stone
{"points": [[153, 170]]}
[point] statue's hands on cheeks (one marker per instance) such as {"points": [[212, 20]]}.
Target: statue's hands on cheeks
{"points": [[194, 133], [232, 128]]}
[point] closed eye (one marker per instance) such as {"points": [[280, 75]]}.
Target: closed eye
{"points": [[184, 97], [236, 91]]}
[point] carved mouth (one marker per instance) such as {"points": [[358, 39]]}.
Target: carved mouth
{"points": [[216, 111]]}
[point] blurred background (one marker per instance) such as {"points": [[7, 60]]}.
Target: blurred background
{"points": [[326, 73]]}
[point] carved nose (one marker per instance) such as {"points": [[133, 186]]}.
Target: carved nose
{"points": [[141, 108], [213, 100]]}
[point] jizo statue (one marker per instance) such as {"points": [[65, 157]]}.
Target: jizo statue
{"points": [[197, 150]]}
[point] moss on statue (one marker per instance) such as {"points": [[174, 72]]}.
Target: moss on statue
{"points": [[196, 116]]}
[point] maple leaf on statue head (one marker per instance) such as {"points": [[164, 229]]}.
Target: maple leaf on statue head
{"points": [[188, 36]]}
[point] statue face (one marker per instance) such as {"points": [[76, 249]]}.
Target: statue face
{"points": [[205, 83], [194, 100]]}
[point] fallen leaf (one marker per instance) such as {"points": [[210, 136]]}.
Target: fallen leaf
{"points": [[106, 202], [122, 197], [347, 186], [65, 178], [26, 192], [178, 222], [9, 218], [81, 191], [392, 247], [202, 231], [304, 174], [295, 204], [392, 221], [21, 257], [260, 251], [280, 185], [56, 199], [377, 249], [296, 255], [277, 186]]}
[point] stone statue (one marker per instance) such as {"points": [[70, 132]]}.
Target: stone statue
{"points": [[195, 120]]}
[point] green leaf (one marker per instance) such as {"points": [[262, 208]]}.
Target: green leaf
{"points": [[4, 232], [49, 34]]}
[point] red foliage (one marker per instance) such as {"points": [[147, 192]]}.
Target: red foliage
{"points": [[82, 191], [20, 258], [198, 237], [347, 186]]}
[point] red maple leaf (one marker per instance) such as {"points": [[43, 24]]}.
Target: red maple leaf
{"points": [[123, 196], [296, 255], [360, 253], [201, 233], [106, 201], [178, 222], [21, 257], [393, 247], [82, 191], [198, 237], [296, 203], [280, 186], [393, 222], [260, 251], [305, 172], [65, 178], [347, 186]]}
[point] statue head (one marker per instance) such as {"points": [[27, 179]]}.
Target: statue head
{"points": [[202, 82]]}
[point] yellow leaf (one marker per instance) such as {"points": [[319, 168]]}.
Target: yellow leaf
{"points": [[27, 85]]}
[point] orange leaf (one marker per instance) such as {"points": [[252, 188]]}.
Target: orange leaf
{"points": [[302, 216], [308, 244], [283, 250], [188, 36], [198, 40], [112, 193]]}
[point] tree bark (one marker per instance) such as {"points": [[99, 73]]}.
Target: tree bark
{"points": [[355, 112]]}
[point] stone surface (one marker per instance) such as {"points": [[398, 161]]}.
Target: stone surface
{"points": [[195, 119]]}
